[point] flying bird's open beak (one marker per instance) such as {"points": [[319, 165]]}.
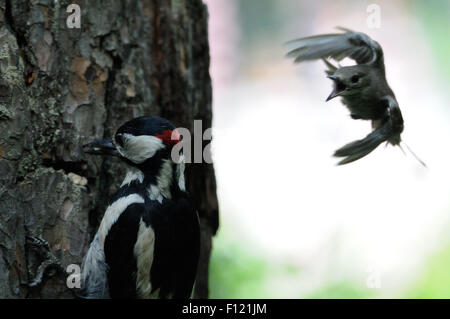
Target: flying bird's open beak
{"points": [[338, 88], [101, 147]]}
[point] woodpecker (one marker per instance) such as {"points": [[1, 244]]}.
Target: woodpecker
{"points": [[148, 242], [363, 87]]}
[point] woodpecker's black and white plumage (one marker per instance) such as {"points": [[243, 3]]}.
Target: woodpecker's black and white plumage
{"points": [[147, 244]]}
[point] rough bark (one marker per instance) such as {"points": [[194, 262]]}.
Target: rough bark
{"points": [[60, 88]]}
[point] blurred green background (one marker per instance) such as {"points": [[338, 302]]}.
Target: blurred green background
{"points": [[243, 36]]}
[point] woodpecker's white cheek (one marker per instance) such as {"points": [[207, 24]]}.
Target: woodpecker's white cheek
{"points": [[140, 148]]}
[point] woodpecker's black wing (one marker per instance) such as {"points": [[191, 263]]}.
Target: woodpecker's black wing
{"points": [[388, 129], [355, 45], [186, 234], [119, 248], [177, 247]]}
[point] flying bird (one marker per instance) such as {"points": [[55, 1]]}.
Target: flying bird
{"points": [[362, 87], [148, 242]]}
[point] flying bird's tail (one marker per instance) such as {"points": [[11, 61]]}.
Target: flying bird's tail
{"points": [[387, 129], [360, 148]]}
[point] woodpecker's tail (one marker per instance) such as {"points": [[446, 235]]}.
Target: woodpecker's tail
{"points": [[94, 280], [357, 149]]}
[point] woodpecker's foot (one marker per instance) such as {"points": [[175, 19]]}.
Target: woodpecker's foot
{"points": [[50, 261]]}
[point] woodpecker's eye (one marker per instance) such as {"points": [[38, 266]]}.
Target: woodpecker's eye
{"points": [[119, 139], [355, 79]]}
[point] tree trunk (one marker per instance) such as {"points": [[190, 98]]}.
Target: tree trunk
{"points": [[62, 87]]}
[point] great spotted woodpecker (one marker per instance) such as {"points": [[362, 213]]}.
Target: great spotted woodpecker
{"points": [[148, 242]]}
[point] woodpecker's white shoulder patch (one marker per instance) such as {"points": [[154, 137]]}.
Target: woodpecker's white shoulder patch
{"points": [[139, 148], [94, 281], [163, 182], [154, 193], [133, 175], [144, 252], [164, 178], [113, 212]]}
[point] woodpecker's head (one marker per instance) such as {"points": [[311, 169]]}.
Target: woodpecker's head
{"points": [[139, 142]]}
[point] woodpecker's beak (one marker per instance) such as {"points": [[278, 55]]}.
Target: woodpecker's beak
{"points": [[101, 147], [339, 87]]}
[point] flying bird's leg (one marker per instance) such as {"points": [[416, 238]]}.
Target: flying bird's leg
{"points": [[403, 151], [414, 154], [50, 261]]}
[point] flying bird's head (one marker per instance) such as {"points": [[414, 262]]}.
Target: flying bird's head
{"points": [[349, 80], [138, 141]]}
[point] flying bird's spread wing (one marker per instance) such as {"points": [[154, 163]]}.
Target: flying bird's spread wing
{"points": [[355, 45], [388, 129]]}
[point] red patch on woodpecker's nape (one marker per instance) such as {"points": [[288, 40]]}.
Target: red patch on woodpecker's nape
{"points": [[169, 136]]}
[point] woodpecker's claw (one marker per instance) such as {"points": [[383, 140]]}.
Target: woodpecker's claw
{"points": [[38, 242], [101, 147]]}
